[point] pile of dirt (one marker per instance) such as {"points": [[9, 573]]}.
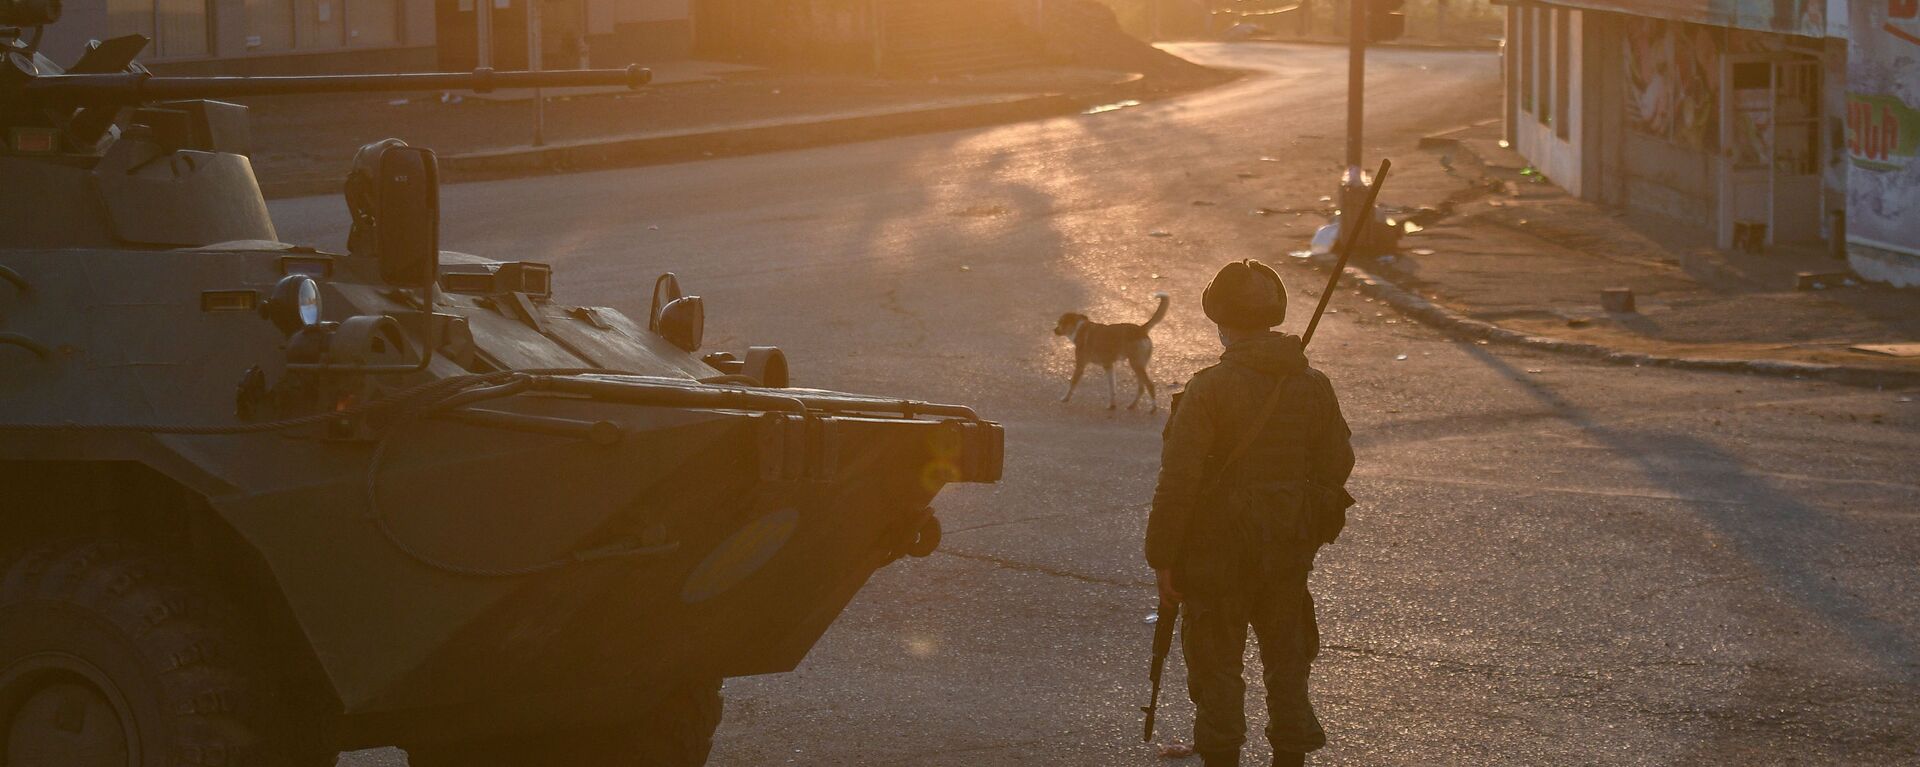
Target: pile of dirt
{"points": [[1086, 32]]}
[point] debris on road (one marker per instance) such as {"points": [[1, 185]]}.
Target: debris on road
{"points": [[1175, 751], [1617, 300], [1159, 233], [1111, 107], [1820, 280], [1325, 237], [1401, 358]]}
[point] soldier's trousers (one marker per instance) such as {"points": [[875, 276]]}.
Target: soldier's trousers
{"points": [[1213, 638]]}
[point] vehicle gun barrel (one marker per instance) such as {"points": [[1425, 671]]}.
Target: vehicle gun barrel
{"points": [[133, 88]]}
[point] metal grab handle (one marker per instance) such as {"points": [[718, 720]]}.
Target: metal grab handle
{"points": [[15, 339], [637, 393], [20, 283]]}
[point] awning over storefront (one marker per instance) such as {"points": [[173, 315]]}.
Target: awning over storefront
{"points": [[1808, 18]]}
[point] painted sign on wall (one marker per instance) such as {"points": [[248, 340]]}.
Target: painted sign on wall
{"points": [[1883, 125], [1673, 81]]}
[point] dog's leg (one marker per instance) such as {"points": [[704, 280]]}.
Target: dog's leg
{"points": [[1079, 366], [1112, 401], [1141, 382]]}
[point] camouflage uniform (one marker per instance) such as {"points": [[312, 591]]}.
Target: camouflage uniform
{"points": [[1237, 555]]}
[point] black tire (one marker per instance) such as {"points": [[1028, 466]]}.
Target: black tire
{"points": [[111, 656], [676, 733]]}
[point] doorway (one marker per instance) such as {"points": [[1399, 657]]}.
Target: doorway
{"points": [[1770, 186]]}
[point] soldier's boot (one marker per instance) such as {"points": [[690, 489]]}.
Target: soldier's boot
{"points": [[1289, 759], [1227, 758]]}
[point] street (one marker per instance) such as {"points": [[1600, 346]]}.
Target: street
{"points": [[1554, 560]]}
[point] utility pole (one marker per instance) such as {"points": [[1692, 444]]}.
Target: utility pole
{"points": [[483, 25], [533, 65], [1352, 186]]}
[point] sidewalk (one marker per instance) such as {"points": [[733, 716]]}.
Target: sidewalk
{"points": [[303, 144], [1514, 258]]}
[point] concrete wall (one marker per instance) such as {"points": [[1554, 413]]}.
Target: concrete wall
{"points": [[622, 31], [229, 51], [1897, 269], [1603, 129], [1670, 180]]}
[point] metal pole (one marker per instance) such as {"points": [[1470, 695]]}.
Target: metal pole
{"points": [[1353, 185], [533, 65], [877, 11], [483, 25]]}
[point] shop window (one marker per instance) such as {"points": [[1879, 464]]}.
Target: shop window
{"points": [[178, 28], [1562, 71]]}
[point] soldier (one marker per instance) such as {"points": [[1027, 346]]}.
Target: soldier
{"points": [[1252, 482]]}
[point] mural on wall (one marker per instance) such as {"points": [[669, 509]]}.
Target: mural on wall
{"points": [[1696, 58], [1673, 81], [1883, 125], [1649, 61]]}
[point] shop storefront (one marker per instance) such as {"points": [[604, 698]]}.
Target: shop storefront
{"points": [[1725, 116]]}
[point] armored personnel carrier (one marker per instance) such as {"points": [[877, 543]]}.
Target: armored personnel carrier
{"points": [[261, 503]]}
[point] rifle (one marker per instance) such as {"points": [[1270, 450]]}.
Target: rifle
{"points": [[1168, 615]]}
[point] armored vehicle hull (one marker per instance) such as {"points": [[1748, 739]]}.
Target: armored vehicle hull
{"points": [[265, 503]]}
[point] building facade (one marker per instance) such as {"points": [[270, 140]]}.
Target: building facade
{"points": [[323, 36], [1732, 117]]}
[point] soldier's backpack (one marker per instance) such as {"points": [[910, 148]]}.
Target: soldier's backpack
{"points": [[1281, 524]]}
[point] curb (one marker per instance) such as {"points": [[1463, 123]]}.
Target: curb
{"points": [[1450, 321], [774, 136], [1487, 46]]}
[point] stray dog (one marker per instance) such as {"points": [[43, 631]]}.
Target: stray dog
{"points": [[1104, 345]]}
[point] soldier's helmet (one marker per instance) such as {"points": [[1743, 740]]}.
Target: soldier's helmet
{"points": [[1246, 294]]}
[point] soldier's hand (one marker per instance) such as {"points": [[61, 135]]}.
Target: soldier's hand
{"points": [[1167, 593]]}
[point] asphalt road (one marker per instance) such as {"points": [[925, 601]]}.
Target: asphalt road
{"points": [[1553, 562]]}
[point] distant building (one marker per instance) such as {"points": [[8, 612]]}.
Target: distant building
{"points": [[316, 36], [1732, 115]]}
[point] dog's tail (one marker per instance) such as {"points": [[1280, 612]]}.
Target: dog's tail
{"points": [[1159, 312]]}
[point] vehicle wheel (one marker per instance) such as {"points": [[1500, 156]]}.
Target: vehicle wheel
{"points": [[676, 733], [109, 657]]}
